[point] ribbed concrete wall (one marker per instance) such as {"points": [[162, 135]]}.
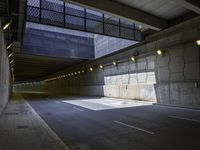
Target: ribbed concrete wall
{"points": [[4, 73]]}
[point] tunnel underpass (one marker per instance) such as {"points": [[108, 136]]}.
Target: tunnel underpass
{"points": [[99, 75]]}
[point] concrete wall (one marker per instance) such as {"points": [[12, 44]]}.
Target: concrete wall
{"points": [[105, 45], [55, 43], [169, 79], [4, 73]]}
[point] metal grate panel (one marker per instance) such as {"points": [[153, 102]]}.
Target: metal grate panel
{"points": [[67, 15], [51, 17], [74, 22]]}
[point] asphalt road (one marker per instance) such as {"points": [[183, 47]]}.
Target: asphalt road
{"points": [[148, 127]]}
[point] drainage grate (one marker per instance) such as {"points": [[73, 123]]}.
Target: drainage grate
{"points": [[22, 127]]}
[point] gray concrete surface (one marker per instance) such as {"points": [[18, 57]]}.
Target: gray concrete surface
{"points": [[21, 128], [139, 127], [4, 72]]}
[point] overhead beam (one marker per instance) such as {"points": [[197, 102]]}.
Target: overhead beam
{"points": [[193, 5], [123, 11]]}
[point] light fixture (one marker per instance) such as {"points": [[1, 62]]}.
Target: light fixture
{"points": [[11, 54], [91, 69], [101, 66], [75, 73], [83, 71], [79, 72], [11, 61], [160, 52], [114, 63], [6, 24], [9, 45], [198, 42], [133, 58]]}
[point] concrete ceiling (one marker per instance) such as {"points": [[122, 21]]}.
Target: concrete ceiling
{"points": [[166, 9], [152, 14], [3, 10], [33, 67]]}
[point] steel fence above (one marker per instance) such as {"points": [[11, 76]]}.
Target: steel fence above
{"points": [[67, 15]]}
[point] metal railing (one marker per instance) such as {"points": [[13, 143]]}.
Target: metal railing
{"points": [[67, 15]]}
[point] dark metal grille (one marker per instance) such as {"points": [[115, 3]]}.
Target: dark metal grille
{"points": [[67, 15], [33, 14], [74, 10], [53, 5], [51, 17], [74, 22]]}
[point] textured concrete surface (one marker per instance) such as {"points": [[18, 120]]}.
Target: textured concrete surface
{"points": [[143, 127], [4, 73], [56, 44], [21, 128]]}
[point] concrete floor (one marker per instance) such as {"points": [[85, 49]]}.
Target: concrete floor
{"points": [[88, 124]]}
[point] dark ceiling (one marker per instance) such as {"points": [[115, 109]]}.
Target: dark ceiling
{"points": [[33, 67], [3, 10]]}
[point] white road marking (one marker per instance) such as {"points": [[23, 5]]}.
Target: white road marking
{"points": [[78, 109], [176, 107], [130, 126], [182, 118]]}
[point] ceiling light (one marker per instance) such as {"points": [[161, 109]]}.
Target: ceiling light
{"points": [[198, 42], [91, 69], [79, 72], [11, 61], [133, 58], [6, 24], [114, 63], [101, 66], [160, 52], [83, 71], [9, 45], [10, 55]]}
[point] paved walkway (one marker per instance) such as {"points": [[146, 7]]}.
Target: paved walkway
{"points": [[21, 128]]}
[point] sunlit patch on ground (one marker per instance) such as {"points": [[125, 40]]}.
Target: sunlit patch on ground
{"points": [[106, 103]]}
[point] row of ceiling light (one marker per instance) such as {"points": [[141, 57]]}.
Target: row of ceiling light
{"points": [[159, 52], [133, 58], [4, 27]]}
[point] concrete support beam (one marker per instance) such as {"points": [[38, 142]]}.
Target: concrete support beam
{"points": [[193, 5], [125, 12]]}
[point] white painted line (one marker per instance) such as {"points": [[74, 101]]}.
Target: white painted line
{"points": [[78, 109], [130, 126], [187, 119], [176, 107]]}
